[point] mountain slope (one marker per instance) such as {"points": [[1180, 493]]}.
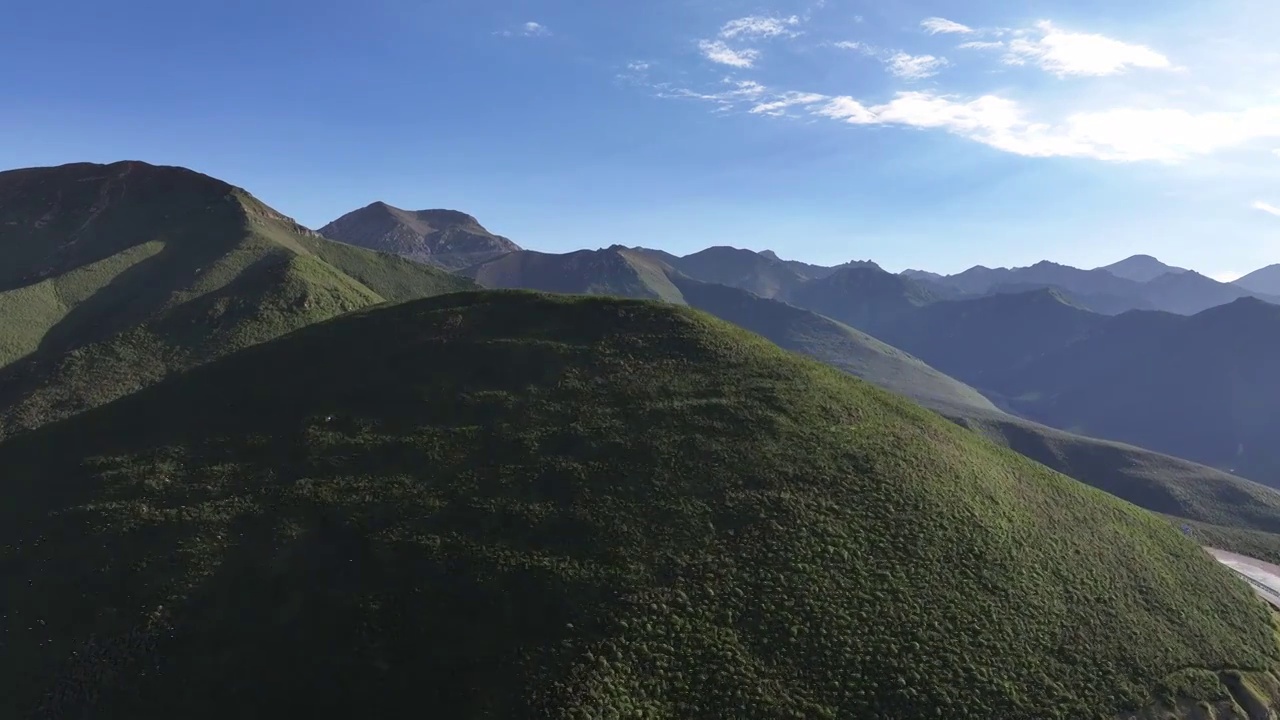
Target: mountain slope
{"points": [[1140, 268], [1160, 483], [445, 238], [615, 270], [1151, 480], [512, 505], [862, 297], [828, 341], [1265, 280], [978, 341], [115, 275], [1190, 292], [1205, 387], [765, 275]]}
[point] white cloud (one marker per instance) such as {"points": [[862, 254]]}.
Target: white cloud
{"points": [[717, 52], [915, 67], [1070, 53], [1276, 152], [779, 105], [899, 64], [1266, 207], [935, 25], [1144, 129], [740, 91], [529, 29], [637, 66], [756, 26], [1122, 134], [1226, 276]]}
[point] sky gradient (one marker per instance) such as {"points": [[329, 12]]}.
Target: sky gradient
{"points": [[934, 134]]}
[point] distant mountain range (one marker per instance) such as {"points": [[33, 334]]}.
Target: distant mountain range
{"points": [[1137, 283]]}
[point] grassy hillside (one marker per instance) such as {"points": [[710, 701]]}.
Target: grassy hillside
{"points": [[1145, 478], [824, 339], [115, 276], [514, 505], [1161, 483]]}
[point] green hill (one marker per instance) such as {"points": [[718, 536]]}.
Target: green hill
{"points": [[1148, 479], [516, 505], [824, 339], [1157, 482], [112, 276]]}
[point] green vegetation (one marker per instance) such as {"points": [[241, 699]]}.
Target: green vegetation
{"points": [[513, 505], [117, 276], [824, 339], [1157, 482], [1148, 479]]}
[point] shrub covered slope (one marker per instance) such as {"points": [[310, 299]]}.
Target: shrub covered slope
{"points": [[510, 504], [112, 276]]}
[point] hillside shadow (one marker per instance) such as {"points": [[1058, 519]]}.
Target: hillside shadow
{"points": [[134, 295]]}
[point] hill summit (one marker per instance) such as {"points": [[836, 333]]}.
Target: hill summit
{"points": [[112, 276], [507, 504], [445, 238]]}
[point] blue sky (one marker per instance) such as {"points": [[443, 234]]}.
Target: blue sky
{"points": [[934, 133]]}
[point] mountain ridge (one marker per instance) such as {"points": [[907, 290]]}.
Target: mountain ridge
{"points": [[116, 275]]}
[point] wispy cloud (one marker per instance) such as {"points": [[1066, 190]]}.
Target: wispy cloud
{"points": [[529, 29], [780, 105], [1066, 53], [898, 63], [759, 26], [718, 52], [1117, 135], [1266, 207], [936, 25], [1226, 276], [1148, 132], [915, 67]]}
